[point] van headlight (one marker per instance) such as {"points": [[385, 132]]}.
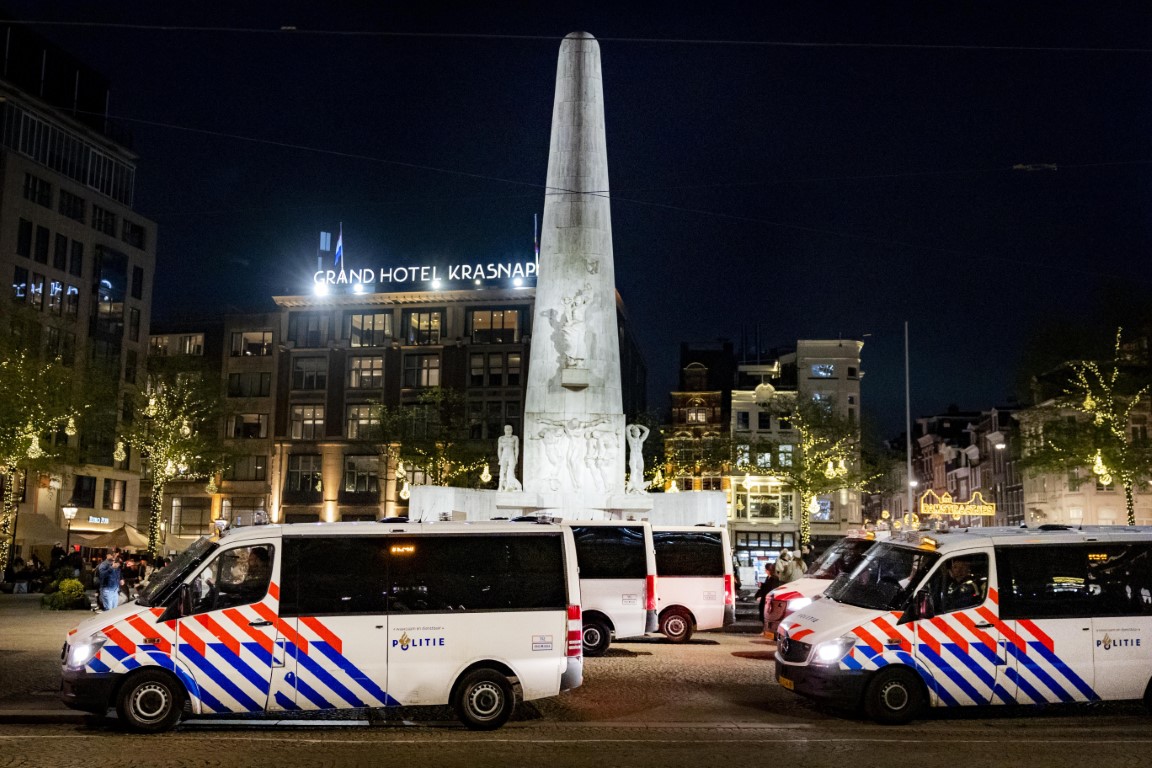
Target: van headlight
{"points": [[84, 651], [798, 603], [831, 651]]}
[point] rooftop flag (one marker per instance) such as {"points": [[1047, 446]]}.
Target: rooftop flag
{"points": [[339, 248]]}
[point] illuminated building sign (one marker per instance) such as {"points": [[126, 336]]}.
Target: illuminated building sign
{"points": [[426, 274], [931, 504]]}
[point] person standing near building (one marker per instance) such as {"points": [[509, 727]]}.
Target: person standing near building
{"points": [[108, 582], [789, 567]]}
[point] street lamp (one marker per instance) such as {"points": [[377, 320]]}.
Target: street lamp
{"points": [[69, 515]]}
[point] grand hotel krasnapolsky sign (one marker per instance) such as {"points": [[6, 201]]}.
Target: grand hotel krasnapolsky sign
{"points": [[430, 274], [931, 504]]}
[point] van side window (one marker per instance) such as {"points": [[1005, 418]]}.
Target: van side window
{"points": [[327, 576], [475, 573], [237, 576], [688, 553], [960, 582], [1075, 581], [610, 551]]}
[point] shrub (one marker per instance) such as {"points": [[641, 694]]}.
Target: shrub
{"points": [[69, 595]]}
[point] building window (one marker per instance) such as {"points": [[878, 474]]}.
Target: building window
{"points": [[764, 460], [114, 492], [821, 397], [366, 372], [246, 468], [37, 190], [823, 370], [133, 324], [361, 474], [486, 418], [20, 284], [24, 238], [252, 343], [158, 345], [304, 473], [60, 253], [743, 419], [103, 220], [494, 326], [249, 425], [422, 327], [36, 291], [40, 252], [363, 422], [71, 205], [309, 373], [192, 344], [84, 491], [55, 297], [422, 370], [851, 372], [697, 415], [763, 420], [785, 456], [513, 369], [137, 282], [369, 330], [191, 515], [307, 329], [134, 234], [1139, 429], [307, 422], [76, 261], [249, 384]]}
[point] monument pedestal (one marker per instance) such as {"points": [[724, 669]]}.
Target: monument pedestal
{"points": [[575, 379]]}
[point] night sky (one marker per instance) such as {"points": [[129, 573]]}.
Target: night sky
{"points": [[809, 169]]}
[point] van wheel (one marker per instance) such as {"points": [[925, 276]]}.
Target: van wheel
{"points": [[484, 700], [150, 701], [676, 625], [596, 637], [894, 697]]}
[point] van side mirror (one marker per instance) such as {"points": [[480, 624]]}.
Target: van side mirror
{"points": [[925, 606], [185, 604]]}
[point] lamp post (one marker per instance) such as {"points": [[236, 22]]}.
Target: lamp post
{"points": [[69, 515]]}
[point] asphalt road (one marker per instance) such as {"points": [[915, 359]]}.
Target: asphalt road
{"points": [[646, 703]]}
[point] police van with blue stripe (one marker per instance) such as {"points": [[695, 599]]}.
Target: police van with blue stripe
{"points": [[313, 617], [987, 616]]}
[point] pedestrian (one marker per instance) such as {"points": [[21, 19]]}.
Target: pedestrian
{"points": [[130, 576], [771, 581], [108, 582], [789, 566]]}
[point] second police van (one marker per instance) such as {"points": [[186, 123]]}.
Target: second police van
{"points": [[983, 617], [695, 589], [339, 616]]}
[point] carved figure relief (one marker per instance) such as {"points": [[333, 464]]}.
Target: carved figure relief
{"points": [[574, 444], [573, 329]]}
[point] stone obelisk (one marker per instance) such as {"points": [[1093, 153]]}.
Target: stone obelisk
{"points": [[573, 442]]}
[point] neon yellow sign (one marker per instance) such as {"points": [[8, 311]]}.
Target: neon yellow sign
{"points": [[931, 504]]}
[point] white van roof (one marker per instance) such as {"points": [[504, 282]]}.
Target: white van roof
{"points": [[374, 528], [952, 539]]}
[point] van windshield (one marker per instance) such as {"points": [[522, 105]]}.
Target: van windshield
{"points": [[841, 557], [165, 579], [884, 579]]}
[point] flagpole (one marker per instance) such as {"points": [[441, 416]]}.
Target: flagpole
{"points": [[907, 420]]}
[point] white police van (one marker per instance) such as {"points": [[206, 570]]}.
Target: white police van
{"points": [[617, 562], [695, 589], [988, 616], [339, 616]]}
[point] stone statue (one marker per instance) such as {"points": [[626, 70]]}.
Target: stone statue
{"points": [[555, 445], [637, 434], [577, 440], [508, 453], [573, 328], [607, 448]]}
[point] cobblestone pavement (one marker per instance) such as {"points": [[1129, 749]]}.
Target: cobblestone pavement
{"points": [[646, 703]]}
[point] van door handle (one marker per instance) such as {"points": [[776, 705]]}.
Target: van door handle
{"points": [[259, 623], [984, 626]]}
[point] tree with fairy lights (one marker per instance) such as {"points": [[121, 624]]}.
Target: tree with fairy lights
{"points": [[176, 430], [435, 436], [1089, 424], [37, 416], [824, 455]]}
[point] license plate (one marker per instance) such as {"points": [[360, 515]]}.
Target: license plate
{"points": [[786, 683]]}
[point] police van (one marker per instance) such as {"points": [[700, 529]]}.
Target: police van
{"points": [[694, 577], [617, 562], [984, 617], [339, 616], [788, 598]]}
